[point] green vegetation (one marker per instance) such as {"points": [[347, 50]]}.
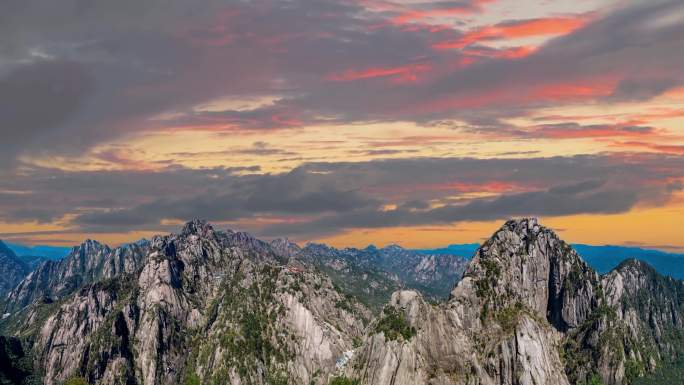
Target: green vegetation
{"points": [[245, 316], [346, 303], [669, 374], [369, 286], [595, 380], [342, 380], [192, 379], [76, 381], [484, 286], [16, 367], [394, 325], [579, 356], [509, 317]]}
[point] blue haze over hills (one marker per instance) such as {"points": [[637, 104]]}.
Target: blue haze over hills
{"points": [[48, 252], [601, 258]]}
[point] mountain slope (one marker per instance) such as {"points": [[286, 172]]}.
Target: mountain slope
{"points": [[54, 253], [529, 311], [213, 307], [373, 274], [601, 258], [89, 262], [606, 258], [12, 270], [206, 306]]}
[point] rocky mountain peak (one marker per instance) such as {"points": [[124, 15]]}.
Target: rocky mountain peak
{"points": [[196, 227], [313, 247], [285, 247], [91, 246], [393, 248], [526, 263], [202, 306], [371, 248], [523, 226]]}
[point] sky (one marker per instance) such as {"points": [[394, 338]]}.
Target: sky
{"points": [[350, 122]]}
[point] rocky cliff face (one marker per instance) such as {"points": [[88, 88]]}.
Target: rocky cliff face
{"points": [[207, 306], [529, 311], [12, 270], [434, 275], [373, 274], [89, 262], [637, 329]]}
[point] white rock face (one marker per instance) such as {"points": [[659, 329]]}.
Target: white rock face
{"points": [[61, 337], [224, 307], [87, 263], [205, 299], [523, 297]]}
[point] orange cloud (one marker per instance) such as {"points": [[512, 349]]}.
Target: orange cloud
{"points": [[522, 94], [582, 89], [519, 29], [407, 73], [507, 53], [666, 148], [484, 187]]}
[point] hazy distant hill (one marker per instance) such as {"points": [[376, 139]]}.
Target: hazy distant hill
{"points": [[49, 252], [206, 306], [602, 258]]}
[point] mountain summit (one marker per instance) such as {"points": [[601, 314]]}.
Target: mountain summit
{"points": [[212, 306], [530, 311]]}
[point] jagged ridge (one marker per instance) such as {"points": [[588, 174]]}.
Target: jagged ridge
{"points": [[204, 306], [530, 311]]}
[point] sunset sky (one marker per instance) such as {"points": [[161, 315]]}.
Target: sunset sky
{"points": [[351, 122]]}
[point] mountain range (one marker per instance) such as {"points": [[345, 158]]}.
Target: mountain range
{"points": [[44, 251], [205, 306], [603, 258]]}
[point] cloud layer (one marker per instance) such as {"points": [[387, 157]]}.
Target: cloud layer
{"points": [[82, 84]]}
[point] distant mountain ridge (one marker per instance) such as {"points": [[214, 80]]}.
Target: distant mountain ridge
{"points": [[206, 306], [603, 258], [529, 311], [12, 270], [88, 262], [48, 252], [372, 273]]}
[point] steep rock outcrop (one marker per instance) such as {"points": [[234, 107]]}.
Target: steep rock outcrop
{"points": [[494, 328], [209, 306], [12, 270], [372, 274], [206, 305], [529, 311], [89, 262]]}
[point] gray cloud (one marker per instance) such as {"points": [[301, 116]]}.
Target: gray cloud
{"points": [[38, 98], [327, 197], [76, 74], [552, 202], [635, 89], [134, 61]]}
